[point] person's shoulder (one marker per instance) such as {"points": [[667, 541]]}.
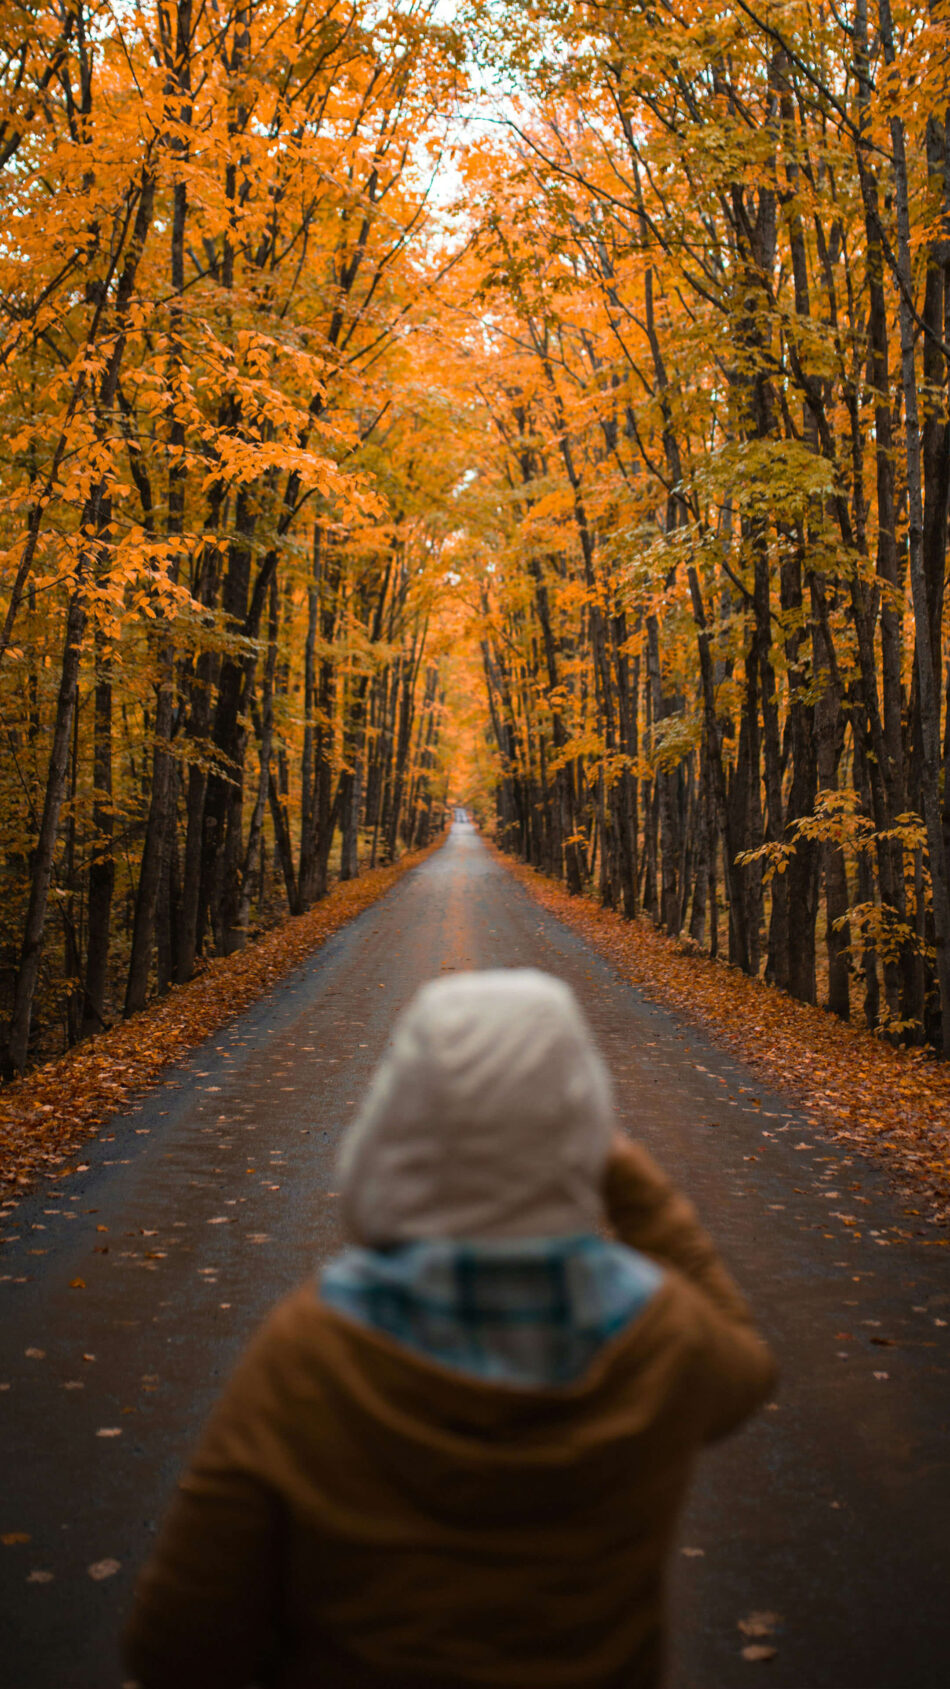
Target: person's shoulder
{"points": [[287, 1339], [291, 1381], [302, 1327], [294, 1316], [302, 1324]]}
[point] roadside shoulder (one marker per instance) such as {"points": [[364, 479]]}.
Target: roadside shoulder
{"points": [[891, 1104], [49, 1114]]}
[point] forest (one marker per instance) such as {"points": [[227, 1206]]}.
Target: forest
{"points": [[540, 406]]}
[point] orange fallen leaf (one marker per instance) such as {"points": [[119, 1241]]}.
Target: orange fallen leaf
{"points": [[759, 1624]]}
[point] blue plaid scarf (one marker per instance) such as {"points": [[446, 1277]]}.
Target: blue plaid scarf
{"points": [[526, 1311]]}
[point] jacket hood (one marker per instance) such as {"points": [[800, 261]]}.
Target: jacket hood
{"points": [[489, 1116]]}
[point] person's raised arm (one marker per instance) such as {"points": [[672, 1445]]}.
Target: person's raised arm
{"points": [[648, 1213]]}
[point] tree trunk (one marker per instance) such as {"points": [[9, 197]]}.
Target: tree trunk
{"points": [[32, 946], [926, 629], [101, 882], [256, 831], [160, 820]]}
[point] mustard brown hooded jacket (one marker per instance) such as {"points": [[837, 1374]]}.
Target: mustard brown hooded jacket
{"points": [[358, 1516]]}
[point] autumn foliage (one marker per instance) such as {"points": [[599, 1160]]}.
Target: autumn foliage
{"points": [[712, 270], [220, 510], [552, 392]]}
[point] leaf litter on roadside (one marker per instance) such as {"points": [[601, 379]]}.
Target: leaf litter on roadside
{"points": [[756, 1626], [890, 1103], [46, 1116]]}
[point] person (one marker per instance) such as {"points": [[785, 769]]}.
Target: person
{"points": [[457, 1458]]}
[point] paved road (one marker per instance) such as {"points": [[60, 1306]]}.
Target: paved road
{"points": [[830, 1512]]}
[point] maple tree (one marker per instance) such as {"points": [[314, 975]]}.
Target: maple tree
{"points": [[713, 269], [219, 558], [593, 457]]}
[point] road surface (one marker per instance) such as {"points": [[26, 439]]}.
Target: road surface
{"points": [[830, 1513]]}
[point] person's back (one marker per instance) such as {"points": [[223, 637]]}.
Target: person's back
{"points": [[457, 1459]]}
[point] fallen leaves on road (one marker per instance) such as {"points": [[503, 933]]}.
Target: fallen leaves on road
{"points": [[103, 1569], [893, 1104], [759, 1624], [756, 1625], [45, 1117]]}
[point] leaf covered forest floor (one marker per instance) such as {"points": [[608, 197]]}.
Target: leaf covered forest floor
{"points": [[891, 1104], [48, 1115]]}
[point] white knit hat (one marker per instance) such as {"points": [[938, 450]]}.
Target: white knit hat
{"points": [[489, 1116]]}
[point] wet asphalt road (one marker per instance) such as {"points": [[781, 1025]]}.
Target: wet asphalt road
{"points": [[830, 1513]]}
